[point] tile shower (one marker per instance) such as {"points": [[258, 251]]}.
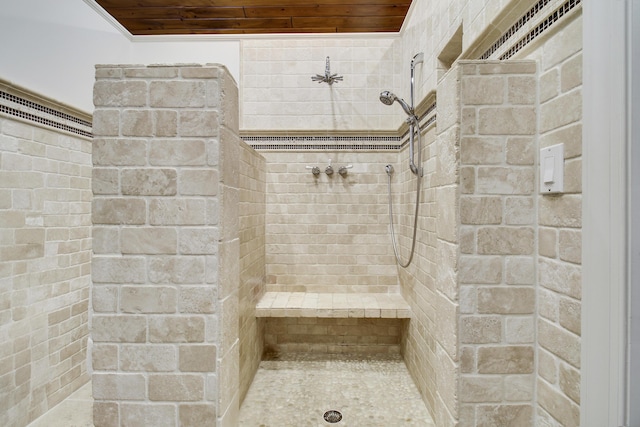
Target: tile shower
{"points": [[494, 291]]}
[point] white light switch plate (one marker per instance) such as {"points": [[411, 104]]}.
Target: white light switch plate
{"points": [[552, 169]]}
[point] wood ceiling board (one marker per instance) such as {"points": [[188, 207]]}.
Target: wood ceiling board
{"points": [[159, 17], [325, 10], [205, 24], [178, 13], [237, 3]]}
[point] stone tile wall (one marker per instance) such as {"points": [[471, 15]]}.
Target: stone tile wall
{"points": [[421, 350], [252, 261], [560, 232], [326, 335], [328, 233], [470, 343], [278, 93], [45, 252], [496, 270], [164, 318]]}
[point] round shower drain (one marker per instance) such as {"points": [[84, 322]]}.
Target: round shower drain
{"points": [[332, 416]]}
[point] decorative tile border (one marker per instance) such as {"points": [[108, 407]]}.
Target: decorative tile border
{"points": [[48, 115], [540, 28], [520, 24], [338, 142]]}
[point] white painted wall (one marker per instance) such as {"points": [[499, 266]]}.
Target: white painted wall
{"points": [[51, 47]]}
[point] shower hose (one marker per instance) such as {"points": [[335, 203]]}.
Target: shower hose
{"points": [[415, 215]]}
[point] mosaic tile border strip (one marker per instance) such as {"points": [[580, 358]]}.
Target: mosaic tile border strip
{"points": [[293, 143], [538, 30], [338, 142], [16, 106]]}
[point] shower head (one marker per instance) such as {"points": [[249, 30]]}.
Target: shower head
{"points": [[389, 98]]}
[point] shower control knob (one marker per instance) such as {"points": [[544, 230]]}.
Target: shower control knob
{"points": [[314, 170], [329, 170], [343, 170]]}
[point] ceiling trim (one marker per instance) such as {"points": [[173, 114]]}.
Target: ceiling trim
{"points": [[110, 19]]}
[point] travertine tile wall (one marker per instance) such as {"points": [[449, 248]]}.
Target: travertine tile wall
{"points": [[252, 206], [326, 335], [278, 93], [496, 271], [560, 232], [165, 270], [470, 344], [421, 348], [45, 252], [429, 283], [328, 233]]}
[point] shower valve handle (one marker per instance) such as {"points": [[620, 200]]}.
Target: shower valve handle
{"points": [[314, 170], [343, 170]]}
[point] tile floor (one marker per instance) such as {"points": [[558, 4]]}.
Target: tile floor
{"points": [[75, 411], [295, 390]]}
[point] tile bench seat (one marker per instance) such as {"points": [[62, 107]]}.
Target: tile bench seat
{"points": [[336, 305]]}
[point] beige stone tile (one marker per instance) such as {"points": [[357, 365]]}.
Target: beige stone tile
{"points": [[505, 240], [519, 270], [556, 404], [176, 387], [482, 90], [505, 360], [519, 388], [560, 111], [194, 415], [519, 151], [570, 382], [560, 277], [504, 180], [481, 210], [145, 299], [172, 329], [547, 366], [503, 415], [122, 211], [506, 120], [166, 152], [519, 211], [570, 315], [560, 342], [109, 386], [519, 330], [481, 389], [549, 84], [148, 240], [177, 94], [512, 300], [480, 329]]}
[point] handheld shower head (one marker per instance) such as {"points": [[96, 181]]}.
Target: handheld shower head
{"points": [[389, 98]]}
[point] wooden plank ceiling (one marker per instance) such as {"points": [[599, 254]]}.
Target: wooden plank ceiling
{"points": [[162, 17]]}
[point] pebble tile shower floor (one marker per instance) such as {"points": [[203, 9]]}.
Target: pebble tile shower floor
{"points": [[295, 390]]}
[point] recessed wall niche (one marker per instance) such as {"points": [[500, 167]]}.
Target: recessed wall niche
{"points": [[450, 52]]}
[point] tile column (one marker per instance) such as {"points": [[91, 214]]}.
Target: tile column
{"points": [[164, 320]]}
